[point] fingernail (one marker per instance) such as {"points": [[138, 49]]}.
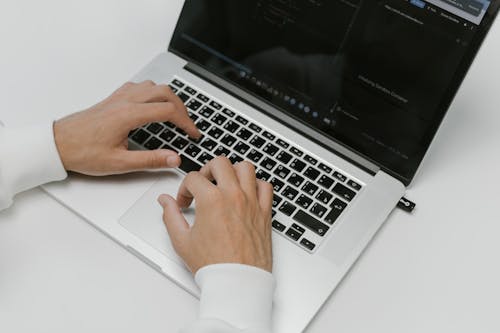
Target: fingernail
{"points": [[162, 200], [173, 161]]}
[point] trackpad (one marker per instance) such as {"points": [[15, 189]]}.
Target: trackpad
{"points": [[144, 218]]}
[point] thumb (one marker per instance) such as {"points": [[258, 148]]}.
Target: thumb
{"points": [[152, 159], [177, 227]]}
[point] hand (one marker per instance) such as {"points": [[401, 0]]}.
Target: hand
{"points": [[95, 142], [233, 218]]}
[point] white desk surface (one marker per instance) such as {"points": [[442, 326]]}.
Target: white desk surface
{"points": [[434, 271]]}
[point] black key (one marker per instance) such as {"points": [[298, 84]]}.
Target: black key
{"points": [[231, 126], [188, 165], [344, 192], [325, 168], [155, 128], [180, 143], [273, 213], [269, 136], [298, 228], [310, 188], [219, 119], [178, 83], [181, 131], [276, 200], [235, 158], [338, 206], [290, 193], [339, 176], [311, 160], [318, 210], [277, 184], [293, 234], [221, 151], [354, 185], [311, 173], [304, 201], [203, 98], [241, 148], [190, 90], [215, 132], [296, 152], [153, 143], [287, 208], [257, 141], [244, 134], [255, 156], [169, 147], [296, 180], [324, 197], [255, 128], [281, 171], [193, 116], [194, 105], [169, 124], [271, 149], [205, 158], [228, 140], [183, 97], [228, 113], [282, 144], [203, 125], [284, 157], [140, 136], [262, 175], [268, 163], [206, 112], [278, 226], [192, 150], [131, 133], [311, 223], [209, 144], [241, 120], [326, 181], [307, 244], [297, 165], [215, 105]]}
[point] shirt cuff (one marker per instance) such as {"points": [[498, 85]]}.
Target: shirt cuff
{"points": [[239, 295], [29, 157]]}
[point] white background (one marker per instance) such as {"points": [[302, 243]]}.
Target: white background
{"points": [[434, 271]]}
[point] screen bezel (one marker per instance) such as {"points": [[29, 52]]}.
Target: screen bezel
{"points": [[326, 141]]}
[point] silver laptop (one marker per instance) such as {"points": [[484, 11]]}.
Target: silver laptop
{"points": [[335, 102]]}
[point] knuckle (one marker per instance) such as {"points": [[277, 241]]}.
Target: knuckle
{"points": [[148, 83]]}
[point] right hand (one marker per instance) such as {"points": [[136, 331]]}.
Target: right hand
{"points": [[233, 218]]}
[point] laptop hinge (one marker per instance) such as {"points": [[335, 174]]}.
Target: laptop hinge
{"points": [[282, 117]]}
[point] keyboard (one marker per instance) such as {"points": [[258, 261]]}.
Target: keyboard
{"points": [[310, 194]]}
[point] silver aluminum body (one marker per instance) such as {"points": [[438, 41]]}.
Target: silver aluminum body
{"points": [[304, 280]]}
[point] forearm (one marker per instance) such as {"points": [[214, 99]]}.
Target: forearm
{"points": [[234, 299], [28, 158]]}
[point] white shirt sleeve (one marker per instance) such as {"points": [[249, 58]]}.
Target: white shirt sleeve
{"points": [[28, 158], [234, 299]]}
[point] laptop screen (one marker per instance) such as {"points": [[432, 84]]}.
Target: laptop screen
{"points": [[374, 75]]}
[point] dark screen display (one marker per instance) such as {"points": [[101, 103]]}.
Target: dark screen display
{"points": [[369, 74]]}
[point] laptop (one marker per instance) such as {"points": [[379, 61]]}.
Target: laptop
{"points": [[335, 103]]}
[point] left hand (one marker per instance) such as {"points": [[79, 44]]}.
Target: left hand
{"points": [[95, 141]]}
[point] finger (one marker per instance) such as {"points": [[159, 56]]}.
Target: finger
{"points": [[245, 171], [129, 161], [162, 112], [265, 195], [177, 227], [194, 186], [134, 92], [222, 171], [163, 93]]}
